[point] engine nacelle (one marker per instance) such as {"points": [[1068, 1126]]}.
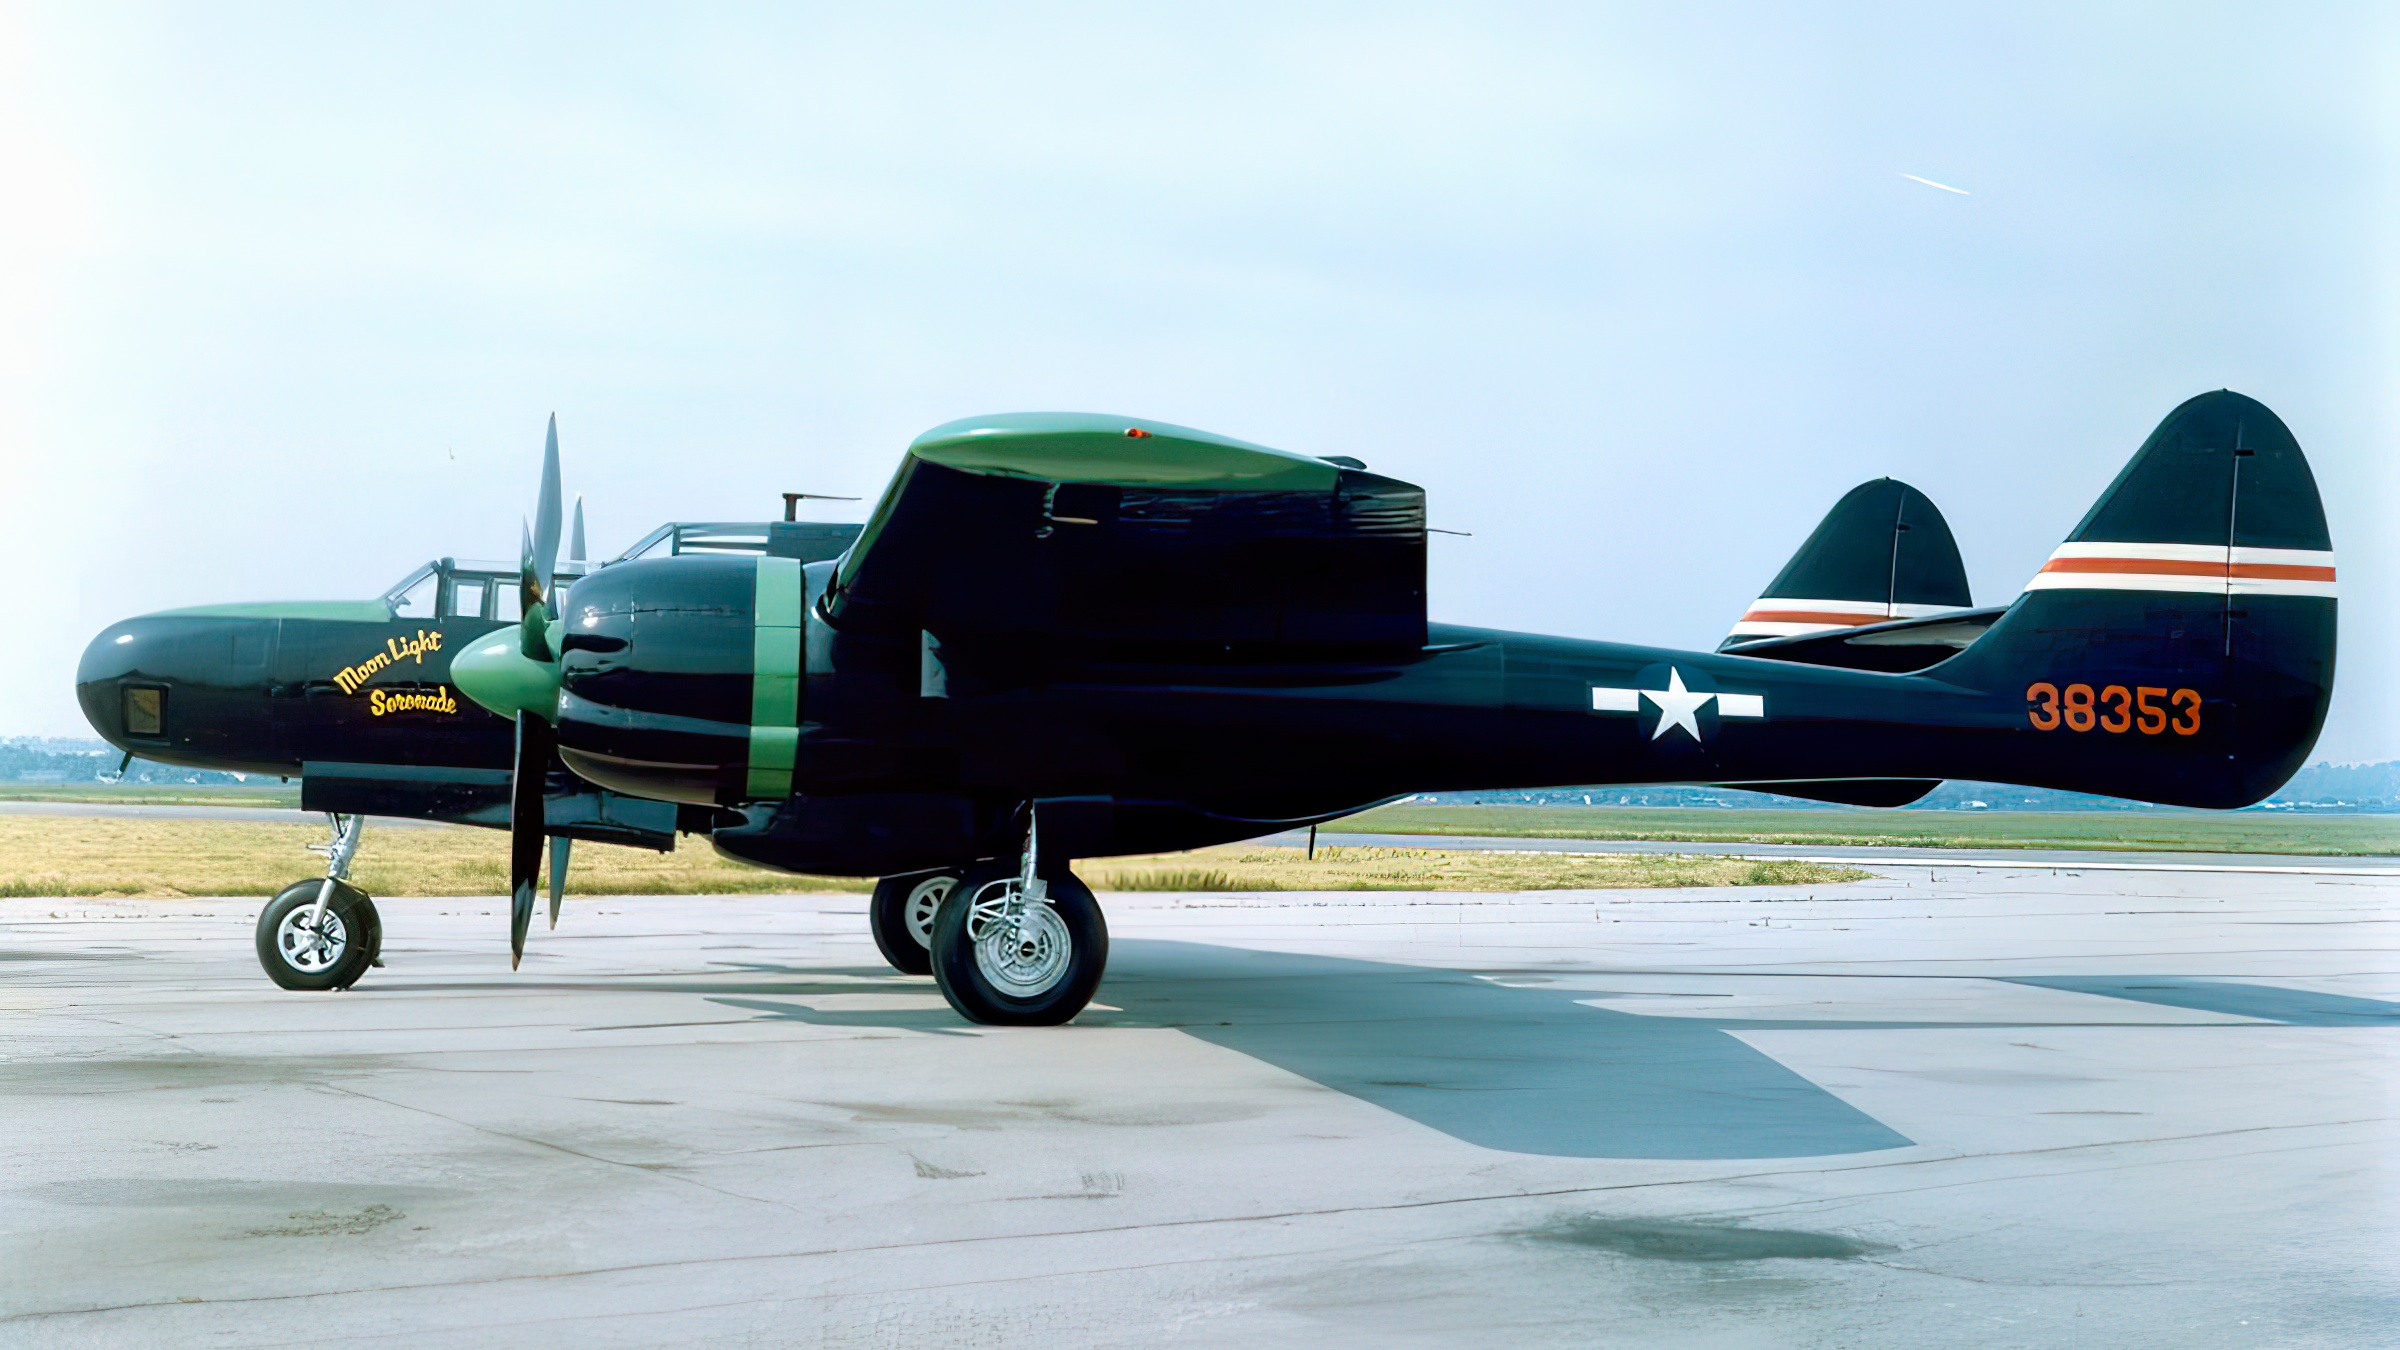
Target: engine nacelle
{"points": [[681, 678]]}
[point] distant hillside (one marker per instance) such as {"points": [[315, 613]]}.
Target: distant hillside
{"points": [[35, 760], [2346, 783]]}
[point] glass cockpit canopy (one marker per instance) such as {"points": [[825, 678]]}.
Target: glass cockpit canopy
{"points": [[469, 588], [804, 540], [465, 588], [707, 536]]}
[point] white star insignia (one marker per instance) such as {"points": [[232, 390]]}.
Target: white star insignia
{"points": [[1677, 705]]}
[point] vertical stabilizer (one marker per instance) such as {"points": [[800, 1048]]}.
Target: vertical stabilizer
{"points": [[2179, 645], [1883, 552]]}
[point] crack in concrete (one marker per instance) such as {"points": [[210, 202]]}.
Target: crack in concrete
{"points": [[666, 1170], [1277, 1216]]}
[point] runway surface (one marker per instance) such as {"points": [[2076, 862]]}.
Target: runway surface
{"points": [[1960, 1106]]}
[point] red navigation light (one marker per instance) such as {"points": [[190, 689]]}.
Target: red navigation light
{"points": [[1136, 432]]}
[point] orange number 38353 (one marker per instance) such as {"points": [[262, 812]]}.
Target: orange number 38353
{"points": [[2150, 709]]}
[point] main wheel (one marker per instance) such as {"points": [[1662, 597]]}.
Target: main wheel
{"points": [[330, 954], [901, 917], [999, 972]]}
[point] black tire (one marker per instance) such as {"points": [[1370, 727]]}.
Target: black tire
{"points": [[982, 979], [354, 930], [901, 917]]}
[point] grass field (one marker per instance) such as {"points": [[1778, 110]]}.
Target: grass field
{"points": [[263, 792], [2160, 830], [2163, 831], [118, 855], [91, 856]]}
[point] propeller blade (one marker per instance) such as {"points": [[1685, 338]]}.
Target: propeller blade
{"points": [[535, 739], [529, 579], [546, 514], [534, 641], [560, 847], [575, 536]]}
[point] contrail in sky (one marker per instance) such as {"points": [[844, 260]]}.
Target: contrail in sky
{"points": [[1943, 186]]}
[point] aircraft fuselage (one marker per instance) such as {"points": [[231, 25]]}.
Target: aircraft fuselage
{"points": [[266, 689]]}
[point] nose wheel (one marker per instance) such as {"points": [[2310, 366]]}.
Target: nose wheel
{"points": [[1008, 955], [305, 945], [322, 933]]}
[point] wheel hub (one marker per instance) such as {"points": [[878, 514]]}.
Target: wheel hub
{"points": [[925, 901], [311, 948], [1023, 955]]}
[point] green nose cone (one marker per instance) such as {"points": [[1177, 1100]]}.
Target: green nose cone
{"points": [[495, 672]]}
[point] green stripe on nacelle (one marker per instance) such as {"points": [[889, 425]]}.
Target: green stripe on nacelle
{"points": [[775, 674], [773, 750]]}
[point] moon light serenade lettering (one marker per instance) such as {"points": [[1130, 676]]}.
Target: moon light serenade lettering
{"points": [[395, 650]]}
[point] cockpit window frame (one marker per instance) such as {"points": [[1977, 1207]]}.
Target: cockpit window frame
{"points": [[743, 537], [499, 581], [395, 596], [452, 582], [722, 538]]}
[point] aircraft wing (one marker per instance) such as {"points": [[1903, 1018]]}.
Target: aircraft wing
{"points": [[463, 795], [1091, 530]]}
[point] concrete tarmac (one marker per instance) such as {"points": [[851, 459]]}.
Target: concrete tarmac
{"points": [[1955, 1106]]}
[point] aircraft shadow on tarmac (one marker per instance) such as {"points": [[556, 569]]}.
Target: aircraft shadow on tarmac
{"points": [[1529, 1069], [2267, 1002]]}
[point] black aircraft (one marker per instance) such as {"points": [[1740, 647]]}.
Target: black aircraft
{"points": [[1063, 636], [280, 688]]}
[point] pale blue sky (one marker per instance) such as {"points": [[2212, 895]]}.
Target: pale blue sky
{"points": [[1634, 292]]}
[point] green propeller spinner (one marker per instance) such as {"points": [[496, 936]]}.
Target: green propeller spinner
{"points": [[514, 670]]}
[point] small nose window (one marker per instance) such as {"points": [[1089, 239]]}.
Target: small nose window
{"points": [[145, 711]]}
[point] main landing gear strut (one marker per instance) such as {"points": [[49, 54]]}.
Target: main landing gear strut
{"points": [[1010, 942], [322, 933]]}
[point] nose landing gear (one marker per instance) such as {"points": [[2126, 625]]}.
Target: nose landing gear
{"points": [[322, 933]]}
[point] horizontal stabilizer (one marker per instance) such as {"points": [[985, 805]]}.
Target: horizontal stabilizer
{"points": [[1898, 647]]}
